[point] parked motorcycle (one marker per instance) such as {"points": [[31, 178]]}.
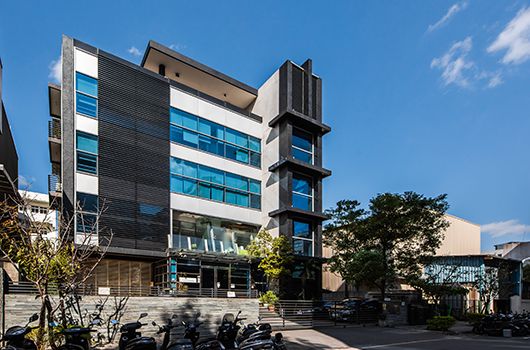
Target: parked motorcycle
{"points": [[78, 338], [192, 333], [131, 338], [16, 336]]}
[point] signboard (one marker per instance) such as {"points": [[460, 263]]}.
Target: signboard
{"points": [[103, 290], [230, 294], [187, 279]]}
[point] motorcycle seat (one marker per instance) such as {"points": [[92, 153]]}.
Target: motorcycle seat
{"points": [[76, 330]]}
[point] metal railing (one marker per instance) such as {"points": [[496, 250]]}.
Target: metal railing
{"points": [[54, 128], [300, 314], [54, 183], [89, 289]]}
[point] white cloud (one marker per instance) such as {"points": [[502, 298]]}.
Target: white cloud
{"points": [[515, 39], [453, 10], [503, 228], [177, 47], [454, 63], [495, 80], [56, 70], [134, 51], [25, 182]]}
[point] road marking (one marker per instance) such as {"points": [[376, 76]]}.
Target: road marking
{"points": [[403, 343]]}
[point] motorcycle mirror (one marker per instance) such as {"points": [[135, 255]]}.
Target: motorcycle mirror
{"points": [[96, 321], [34, 317], [114, 322], [142, 315], [153, 323]]}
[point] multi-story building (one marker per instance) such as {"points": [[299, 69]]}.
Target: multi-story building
{"points": [[190, 164], [38, 210], [8, 153]]}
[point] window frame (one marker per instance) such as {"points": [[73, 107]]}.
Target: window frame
{"points": [[78, 151], [312, 153], [312, 239], [77, 91], [79, 210], [310, 196]]}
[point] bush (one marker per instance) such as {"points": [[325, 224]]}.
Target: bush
{"points": [[440, 323], [474, 317], [269, 298]]}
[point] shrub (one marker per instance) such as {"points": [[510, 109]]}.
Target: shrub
{"points": [[440, 323], [269, 298], [474, 317]]}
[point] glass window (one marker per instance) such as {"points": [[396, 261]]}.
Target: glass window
{"points": [[236, 153], [254, 144], [183, 167], [237, 198], [184, 137], [176, 184], [302, 229], [211, 145], [87, 202], [211, 175], [212, 129], [302, 196], [236, 137], [87, 142], [86, 84], [236, 181], [87, 162], [255, 201], [86, 223], [255, 186], [178, 117], [303, 247], [86, 105], [217, 193], [302, 143], [204, 190], [255, 159]]}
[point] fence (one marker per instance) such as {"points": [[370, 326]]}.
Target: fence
{"points": [[29, 288], [300, 314]]}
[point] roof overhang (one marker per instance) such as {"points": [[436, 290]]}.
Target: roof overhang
{"points": [[198, 76]]}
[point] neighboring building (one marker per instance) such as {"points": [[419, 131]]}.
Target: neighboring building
{"points": [[8, 153], [190, 164], [460, 238], [39, 211]]}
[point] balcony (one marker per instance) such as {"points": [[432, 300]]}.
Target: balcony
{"points": [[54, 140], [55, 190]]}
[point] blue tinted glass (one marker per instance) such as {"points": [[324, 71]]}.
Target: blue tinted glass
{"points": [[255, 159], [182, 167], [217, 194], [302, 229], [189, 121], [211, 145], [302, 202], [87, 142], [254, 144], [176, 184], [87, 202], [86, 84], [86, 105], [213, 129], [255, 186], [184, 137], [303, 247], [87, 162], [86, 223], [255, 201], [236, 153], [301, 185], [175, 116], [236, 181], [237, 198], [189, 187], [211, 175], [236, 137], [302, 139], [303, 156], [204, 190]]}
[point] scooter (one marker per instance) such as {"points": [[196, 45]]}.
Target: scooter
{"points": [[16, 336], [131, 338], [78, 338], [191, 332]]}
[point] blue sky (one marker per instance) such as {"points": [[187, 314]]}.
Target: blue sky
{"points": [[429, 96]]}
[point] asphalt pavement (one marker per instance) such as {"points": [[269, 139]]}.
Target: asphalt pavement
{"points": [[402, 338]]}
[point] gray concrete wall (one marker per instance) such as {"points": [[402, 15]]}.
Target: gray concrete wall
{"points": [[20, 306]]}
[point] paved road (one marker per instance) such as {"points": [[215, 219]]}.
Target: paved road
{"points": [[406, 338]]}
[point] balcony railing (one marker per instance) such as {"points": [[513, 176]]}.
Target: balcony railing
{"points": [[54, 183], [54, 128]]}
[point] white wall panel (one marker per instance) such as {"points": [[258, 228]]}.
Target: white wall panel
{"points": [[215, 209], [214, 113], [213, 161], [86, 124], [86, 183], [86, 63]]}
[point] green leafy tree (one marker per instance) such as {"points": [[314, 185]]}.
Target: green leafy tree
{"points": [[275, 256], [404, 229]]}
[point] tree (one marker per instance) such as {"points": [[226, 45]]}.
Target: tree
{"points": [[275, 256], [57, 264], [487, 284], [403, 229]]}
